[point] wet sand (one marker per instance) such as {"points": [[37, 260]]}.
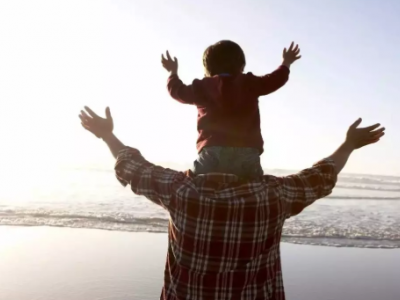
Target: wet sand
{"points": [[42, 263]]}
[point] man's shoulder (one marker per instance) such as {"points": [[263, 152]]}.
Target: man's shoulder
{"points": [[322, 172], [325, 167], [271, 182]]}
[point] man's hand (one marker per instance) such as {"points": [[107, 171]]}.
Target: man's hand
{"points": [[291, 55], [360, 137], [355, 139], [169, 64], [100, 127]]}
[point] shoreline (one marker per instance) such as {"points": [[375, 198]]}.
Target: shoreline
{"points": [[294, 240]]}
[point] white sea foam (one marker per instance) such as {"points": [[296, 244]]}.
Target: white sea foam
{"points": [[363, 211]]}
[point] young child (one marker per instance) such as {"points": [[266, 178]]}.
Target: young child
{"points": [[228, 119]]}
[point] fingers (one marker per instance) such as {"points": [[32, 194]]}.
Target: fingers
{"points": [[108, 113], [371, 128], [293, 50], [84, 117], [374, 136], [373, 141], [382, 129], [291, 47], [377, 134], [168, 56], [91, 112], [85, 126], [83, 121], [83, 113], [164, 60], [356, 123]]}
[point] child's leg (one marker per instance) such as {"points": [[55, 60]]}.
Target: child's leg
{"points": [[208, 161], [243, 162]]}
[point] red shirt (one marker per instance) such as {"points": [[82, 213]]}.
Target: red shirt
{"points": [[228, 113], [224, 233]]}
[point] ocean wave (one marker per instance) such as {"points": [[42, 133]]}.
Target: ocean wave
{"points": [[83, 220], [348, 177], [378, 180], [362, 198], [343, 242], [300, 232], [368, 188]]}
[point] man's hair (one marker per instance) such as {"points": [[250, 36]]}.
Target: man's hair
{"points": [[223, 57]]}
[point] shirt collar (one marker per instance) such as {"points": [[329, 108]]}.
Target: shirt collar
{"points": [[214, 177]]}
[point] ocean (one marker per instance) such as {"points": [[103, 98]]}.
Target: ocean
{"points": [[363, 211]]}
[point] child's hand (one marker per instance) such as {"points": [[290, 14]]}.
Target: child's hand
{"points": [[291, 55], [169, 64]]}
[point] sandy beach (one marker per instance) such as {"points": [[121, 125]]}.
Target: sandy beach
{"points": [[42, 263]]}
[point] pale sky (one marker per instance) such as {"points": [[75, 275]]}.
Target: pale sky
{"points": [[57, 56]]}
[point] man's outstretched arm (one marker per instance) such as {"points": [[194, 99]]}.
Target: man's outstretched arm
{"points": [[146, 179], [153, 182], [114, 144], [302, 189]]}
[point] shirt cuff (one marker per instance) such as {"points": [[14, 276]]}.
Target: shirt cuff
{"points": [[173, 76], [127, 159], [327, 167], [326, 161], [282, 67]]}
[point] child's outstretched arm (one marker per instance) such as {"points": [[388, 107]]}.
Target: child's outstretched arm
{"points": [[176, 88], [269, 83]]}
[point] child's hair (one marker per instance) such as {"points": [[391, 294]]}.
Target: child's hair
{"points": [[223, 57]]}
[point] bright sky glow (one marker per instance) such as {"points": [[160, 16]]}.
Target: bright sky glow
{"points": [[57, 56]]}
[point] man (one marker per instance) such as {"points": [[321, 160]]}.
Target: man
{"points": [[224, 233]]}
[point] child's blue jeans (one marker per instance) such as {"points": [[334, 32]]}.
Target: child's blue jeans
{"points": [[241, 161]]}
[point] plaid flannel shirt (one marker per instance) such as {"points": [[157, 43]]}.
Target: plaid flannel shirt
{"points": [[224, 233]]}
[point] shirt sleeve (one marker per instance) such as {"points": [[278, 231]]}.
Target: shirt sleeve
{"points": [[267, 84], [300, 190], [154, 182], [180, 91]]}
